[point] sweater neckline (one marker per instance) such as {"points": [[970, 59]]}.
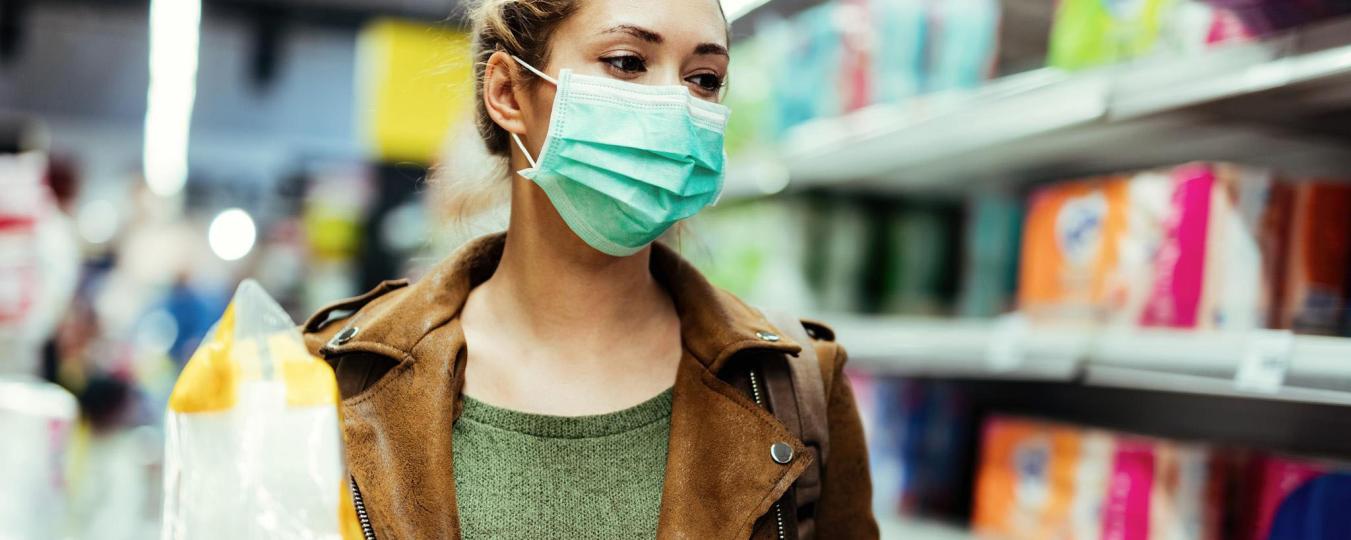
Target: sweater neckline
{"points": [[549, 426]]}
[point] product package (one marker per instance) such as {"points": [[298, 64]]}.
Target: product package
{"points": [[1317, 269], [816, 45], [964, 43], [920, 275], [1176, 248], [1094, 32], [253, 447], [900, 32], [838, 248], [1073, 236], [37, 419], [990, 259], [39, 267], [1294, 499], [917, 442], [1041, 480], [1177, 263], [1266, 16]]}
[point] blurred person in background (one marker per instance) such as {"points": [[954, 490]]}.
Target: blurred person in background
{"points": [[570, 378]]}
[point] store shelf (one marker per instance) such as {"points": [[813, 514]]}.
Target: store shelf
{"points": [[959, 348], [1251, 103], [1263, 364], [1311, 369], [906, 528]]}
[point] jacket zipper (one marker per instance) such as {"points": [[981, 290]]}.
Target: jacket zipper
{"points": [[367, 530], [759, 400]]}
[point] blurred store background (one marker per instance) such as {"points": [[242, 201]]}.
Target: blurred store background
{"points": [[1091, 258]]}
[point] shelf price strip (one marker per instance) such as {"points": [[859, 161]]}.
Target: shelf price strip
{"points": [[1266, 360]]}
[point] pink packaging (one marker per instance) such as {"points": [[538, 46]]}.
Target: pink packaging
{"points": [[1277, 478], [1126, 514], [1042, 480], [1179, 264]]}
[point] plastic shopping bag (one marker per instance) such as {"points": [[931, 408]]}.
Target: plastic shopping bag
{"points": [[253, 447]]}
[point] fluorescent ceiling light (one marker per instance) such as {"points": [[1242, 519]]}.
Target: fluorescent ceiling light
{"points": [[735, 9], [175, 27]]}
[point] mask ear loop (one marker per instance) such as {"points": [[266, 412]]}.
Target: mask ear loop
{"points": [[515, 137], [521, 145], [533, 70]]}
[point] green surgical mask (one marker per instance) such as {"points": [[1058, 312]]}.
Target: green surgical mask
{"points": [[623, 162]]}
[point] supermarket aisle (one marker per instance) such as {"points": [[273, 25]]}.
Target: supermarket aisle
{"points": [[1090, 259]]}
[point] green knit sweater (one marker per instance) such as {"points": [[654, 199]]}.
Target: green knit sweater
{"points": [[521, 475]]}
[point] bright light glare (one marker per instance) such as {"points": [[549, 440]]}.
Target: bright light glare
{"points": [[231, 234], [174, 31], [97, 221], [735, 9]]}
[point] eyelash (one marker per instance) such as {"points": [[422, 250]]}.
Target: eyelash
{"points": [[624, 64]]}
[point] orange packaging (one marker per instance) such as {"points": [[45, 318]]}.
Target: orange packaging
{"points": [[1046, 481], [1070, 248], [1041, 481]]}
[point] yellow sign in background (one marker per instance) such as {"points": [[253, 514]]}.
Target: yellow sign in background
{"points": [[414, 81]]}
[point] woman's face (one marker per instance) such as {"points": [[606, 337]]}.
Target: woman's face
{"points": [[654, 42]]}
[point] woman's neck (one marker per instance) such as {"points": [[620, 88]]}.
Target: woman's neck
{"points": [[558, 287], [561, 328]]}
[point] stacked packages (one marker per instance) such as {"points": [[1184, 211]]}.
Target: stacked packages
{"points": [[1041, 480], [1208, 246], [844, 55], [1090, 33]]}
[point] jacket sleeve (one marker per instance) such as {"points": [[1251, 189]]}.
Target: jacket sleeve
{"points": [[845, 509]]}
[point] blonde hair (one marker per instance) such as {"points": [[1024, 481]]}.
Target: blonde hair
{"points": [[468, 182], [518, 27]]}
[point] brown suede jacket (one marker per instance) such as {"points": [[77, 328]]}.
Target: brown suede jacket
{"points": [[398, 351]]}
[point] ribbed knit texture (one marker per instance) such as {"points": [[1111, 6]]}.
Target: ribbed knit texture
{"points": [[530, 476]]}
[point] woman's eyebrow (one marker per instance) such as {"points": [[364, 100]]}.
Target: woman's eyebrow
{"points": [[635, 31], [711, 48]]}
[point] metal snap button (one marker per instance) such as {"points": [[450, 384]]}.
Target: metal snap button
{"points": [[781, 452], [345, 335], [767, 336]]}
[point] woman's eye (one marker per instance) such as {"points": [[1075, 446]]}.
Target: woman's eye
{"points": [[627, 63], [707, 82]]}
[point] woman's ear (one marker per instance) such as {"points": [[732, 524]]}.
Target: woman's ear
{"points": [[500, 91]]}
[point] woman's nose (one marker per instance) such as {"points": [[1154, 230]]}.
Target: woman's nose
{"points": [[663, 77]]}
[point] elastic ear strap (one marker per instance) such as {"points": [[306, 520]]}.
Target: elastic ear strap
{"points": [[535, 71], [521, 145]]}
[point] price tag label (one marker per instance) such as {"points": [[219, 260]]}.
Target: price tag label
{"points": [[1266, 361], [1008, 343]]}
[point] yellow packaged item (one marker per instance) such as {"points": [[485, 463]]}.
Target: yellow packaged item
{"points": [[253, 447]]}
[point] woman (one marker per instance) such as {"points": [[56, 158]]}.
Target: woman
{"points": [[570, 379]]}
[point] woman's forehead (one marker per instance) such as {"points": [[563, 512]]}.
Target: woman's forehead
{"points": [[681, 21]]}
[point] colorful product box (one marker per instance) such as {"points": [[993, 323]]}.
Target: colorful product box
{"points": [[1317, 273], [1071, 241], [917, 439], [1175, 248], [990, 255], [1294, 499], [1040, 480], [1089, 33]]}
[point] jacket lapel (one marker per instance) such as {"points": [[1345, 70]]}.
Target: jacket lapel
{"points": [[399, 437], [719, 474]]}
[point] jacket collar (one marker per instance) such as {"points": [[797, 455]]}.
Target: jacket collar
{"points": [[714, 324], [719, 474]]}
